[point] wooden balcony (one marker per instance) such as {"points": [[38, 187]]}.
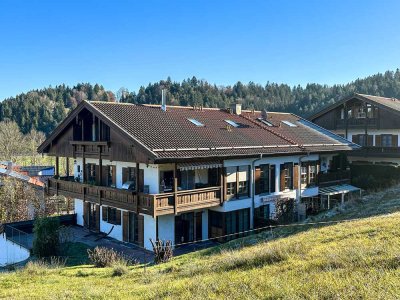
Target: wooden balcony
{"points": [[91, 149], [390, 152], [356, 123], [151, 204], [163, 204], [333, 178], [102, 195]]}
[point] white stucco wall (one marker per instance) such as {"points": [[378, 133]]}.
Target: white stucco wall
{"points": [[149, 231], [166, 228], [78, 206], [105, 227], [11, 253]]}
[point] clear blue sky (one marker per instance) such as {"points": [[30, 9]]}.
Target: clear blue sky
{"points": [[131, 43]]}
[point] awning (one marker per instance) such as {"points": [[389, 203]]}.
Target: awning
{"points": [[199, 165], [338, 189]]}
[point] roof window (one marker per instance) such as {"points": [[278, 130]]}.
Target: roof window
{"points": [[265, 122], [290, 124], [232, 123], [197, 123]]}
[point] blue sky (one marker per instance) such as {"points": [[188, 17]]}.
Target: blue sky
{"points": [[129, 44]]}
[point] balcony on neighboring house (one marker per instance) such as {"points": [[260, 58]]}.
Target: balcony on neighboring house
{"points": [[378, 151], [357, 123]]}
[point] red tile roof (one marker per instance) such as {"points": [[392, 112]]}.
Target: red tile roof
{"points": [[169, 134]]}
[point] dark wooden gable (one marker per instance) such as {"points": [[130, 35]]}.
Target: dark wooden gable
{"points": [[75, 135]]}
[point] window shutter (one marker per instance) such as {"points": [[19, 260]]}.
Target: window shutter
{"points": [[114, 175], [395, 140], [282, 177], [257, 176], [296, 171], [125, 226], [355, 139], [104, 214], [140, 230], [141, 180], [118, 217], [378, 140], [272, 178], [125, 175], [86, 206], [97, 173], [104, 175], [370, 140], [97, 217]]}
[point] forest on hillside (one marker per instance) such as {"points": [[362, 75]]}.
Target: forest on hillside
{"points": [[43, 109]]}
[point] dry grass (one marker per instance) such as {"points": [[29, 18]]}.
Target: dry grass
{"points": [[352, 260]]}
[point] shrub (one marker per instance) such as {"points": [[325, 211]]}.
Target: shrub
{"points": [[120, 268], [103, 257], [46, 237], [162, 251]]}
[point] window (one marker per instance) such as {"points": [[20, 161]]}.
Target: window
{"points": [[110, 175], [237, 181], [113, 216], [360, 112], [265, 122], [195, 122], [304, 174], [386, 140], [91, 173], [262, 179], [290, 124], [361, 140], [313, 174], [232, 123], [243, 178], [262, 216], [288, 173], [342, 114]]}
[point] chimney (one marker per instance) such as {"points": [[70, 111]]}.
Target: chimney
{"points": [[236, 108], [163, 100], [264, 114]]}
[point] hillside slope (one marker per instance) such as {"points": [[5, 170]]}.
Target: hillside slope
{"points": [[359, 259]]}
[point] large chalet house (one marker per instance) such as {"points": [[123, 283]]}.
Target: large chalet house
{"points": [[369, 121], [185, 174]]}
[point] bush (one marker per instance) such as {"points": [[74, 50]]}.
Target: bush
{"points": [[162, 251], [102, 257], [374, 177], [120, 268], [46, 237]]}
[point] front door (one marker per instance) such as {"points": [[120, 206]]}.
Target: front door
{"points": [[94, 217], [188, 227]]}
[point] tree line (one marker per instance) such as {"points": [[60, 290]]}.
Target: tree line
{"points": [[44, 109]]}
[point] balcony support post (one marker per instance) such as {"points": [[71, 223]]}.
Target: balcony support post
{"points": [[57, 166], [222, 184], [366, 123], [67, 166], [175, 190], [137, 187], [83, 165]]}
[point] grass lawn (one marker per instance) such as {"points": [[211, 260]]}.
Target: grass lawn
{"points": [[351, 260]]}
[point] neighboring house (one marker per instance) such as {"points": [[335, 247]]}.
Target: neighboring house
{"points": [[189, 173], [370, 121]]}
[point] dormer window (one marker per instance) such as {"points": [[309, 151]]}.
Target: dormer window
{"points": [[265, 122], [197, 123]]}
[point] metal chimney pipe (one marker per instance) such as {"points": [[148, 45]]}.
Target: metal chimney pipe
{"points": [[163, 100]]}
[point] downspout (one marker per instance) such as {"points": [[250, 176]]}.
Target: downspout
{"points": [[253, 185], [299, 180]]}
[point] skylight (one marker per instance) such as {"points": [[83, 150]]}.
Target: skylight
{"points": [[290, 124], [195, 122], [265, 122], [232, 123]]}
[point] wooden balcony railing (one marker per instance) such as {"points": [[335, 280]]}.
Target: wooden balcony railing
{"points": [[91, 149], [377, 151], [124, 199], [333, 178], [152, 204], [354, 122]]}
